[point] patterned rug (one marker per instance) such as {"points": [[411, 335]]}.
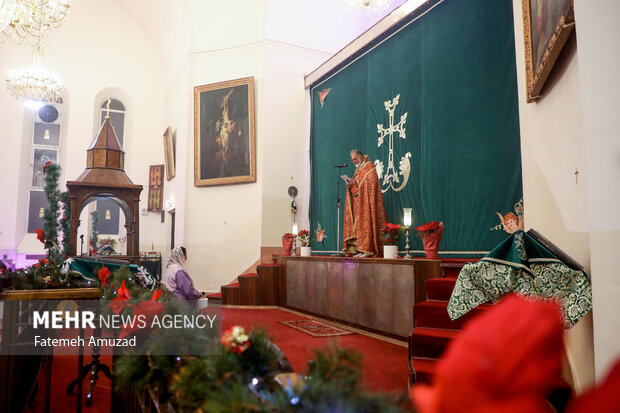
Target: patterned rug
{"points": [[316, 328]]}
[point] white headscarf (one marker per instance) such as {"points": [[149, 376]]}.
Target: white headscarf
{"points": [[175, 262]]}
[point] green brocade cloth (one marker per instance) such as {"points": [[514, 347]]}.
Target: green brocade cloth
{"points": [[88, 268], [522, 265]]}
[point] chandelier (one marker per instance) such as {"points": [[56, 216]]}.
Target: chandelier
{"points": [[27, 21], [367, 6], [34, 85]]}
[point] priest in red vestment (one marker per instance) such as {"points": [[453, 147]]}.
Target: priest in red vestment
{"points": [[364, 214]]}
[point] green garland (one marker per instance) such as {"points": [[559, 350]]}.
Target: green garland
{"points": [[65, 221], [52, 212], [252, 381], [94, 231]]}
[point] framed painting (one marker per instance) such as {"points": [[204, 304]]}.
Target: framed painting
{"points": [[546, 27], [224, 141], [170, 146]]}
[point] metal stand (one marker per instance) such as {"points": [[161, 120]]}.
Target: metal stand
{"points": [[338, 253], [407, 247], [91, 369], [293, 250]]}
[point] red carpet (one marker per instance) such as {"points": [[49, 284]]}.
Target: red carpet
{"points": [[384, 364]]}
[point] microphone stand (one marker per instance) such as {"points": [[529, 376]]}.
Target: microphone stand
{"points": [[338, 253]]}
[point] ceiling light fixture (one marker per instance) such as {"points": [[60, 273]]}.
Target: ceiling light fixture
{"points": [[28, 21], [34, 85]]}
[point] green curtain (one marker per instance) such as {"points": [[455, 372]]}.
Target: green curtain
{"points": [[454, 73]]}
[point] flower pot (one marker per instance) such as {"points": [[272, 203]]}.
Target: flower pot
{"points": [[287, 244], [390, 251], [305, 251], [431, 242]]}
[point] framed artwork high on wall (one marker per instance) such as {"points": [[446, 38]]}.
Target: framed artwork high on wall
{"points": [[170, 152], [224, 135], [546, 27]]}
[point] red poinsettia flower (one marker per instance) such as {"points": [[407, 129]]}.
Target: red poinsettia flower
{"points": [[145, 311], [288, 235], [103, 273], [504, 361], [122, 295], [604, 398], [45, 166], [40, 234], [428, 227], [42, 261], [156, 295]]}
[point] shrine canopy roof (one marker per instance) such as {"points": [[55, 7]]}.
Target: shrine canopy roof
{"points": [[105, 160]]}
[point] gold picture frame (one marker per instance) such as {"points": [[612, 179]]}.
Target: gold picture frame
{"points": [[224, 134], [546, 27], [170, 151]]}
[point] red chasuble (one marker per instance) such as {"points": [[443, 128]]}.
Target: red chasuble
{"points": [[364, 214]]}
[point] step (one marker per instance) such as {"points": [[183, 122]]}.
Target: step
{"points": [[434, 314], [439, 288], [451, 270], [430, 342], [268, 284], [248, 289], [230, 294], [423, 370]]}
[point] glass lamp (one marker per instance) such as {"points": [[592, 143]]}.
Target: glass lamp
{"points": [[295, 230], [407, 224]]}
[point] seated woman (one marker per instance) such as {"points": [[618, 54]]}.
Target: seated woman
{"points": [[176, 278]]}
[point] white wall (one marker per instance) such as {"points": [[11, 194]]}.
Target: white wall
{"points": [[597, 35], [573, 127]]}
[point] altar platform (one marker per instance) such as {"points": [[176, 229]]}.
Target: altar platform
{"points": [[374, 294]]}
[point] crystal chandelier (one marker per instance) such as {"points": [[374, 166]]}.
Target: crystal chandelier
{"points": [[367, 6], [27, 21], [34, 84]]}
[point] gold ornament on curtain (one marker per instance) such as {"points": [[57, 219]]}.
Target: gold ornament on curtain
{"points": [[390, 178]]}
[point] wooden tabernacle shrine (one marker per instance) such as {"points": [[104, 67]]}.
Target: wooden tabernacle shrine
{"points": [[105, 176]]}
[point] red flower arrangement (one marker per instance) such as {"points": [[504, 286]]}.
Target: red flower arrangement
{"points": [[103, 274], [122, 295], [428, 228], [392, 234], [40, 234], [235, 339], [304, 237], [146, 311], [288, 235]]}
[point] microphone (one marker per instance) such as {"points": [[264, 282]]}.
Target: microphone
{"points": [[342, 165]]}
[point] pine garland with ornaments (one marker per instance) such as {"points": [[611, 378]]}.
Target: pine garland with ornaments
{"points": [[252, 375], [50, 272]]}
